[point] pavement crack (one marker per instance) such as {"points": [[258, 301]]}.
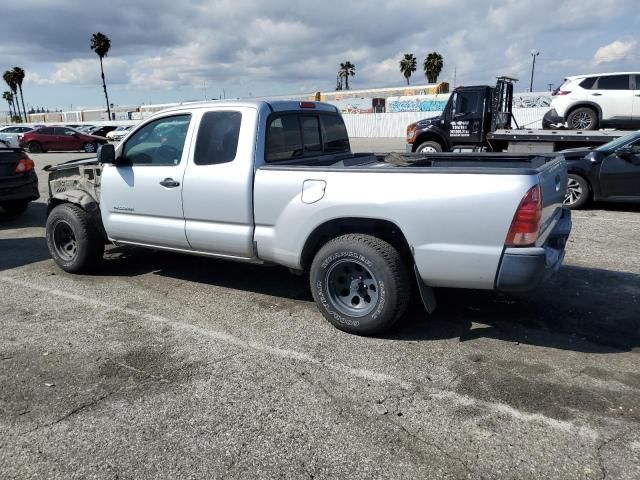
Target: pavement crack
{"points": [[433, 445], [72, 412], [599, 449], [137, 370]]}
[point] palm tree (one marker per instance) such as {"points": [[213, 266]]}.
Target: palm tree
{"points": [[18, 75], [8, 96], [408, 65], [101, 44], [347, 69], [10, 78], [432, 65]]}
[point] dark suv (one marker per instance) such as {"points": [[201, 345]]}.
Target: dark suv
{"points": [[60, 138], [18, 180]]}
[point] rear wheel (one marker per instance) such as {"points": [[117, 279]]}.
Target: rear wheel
{"points": [[583, 119], [89, 147], [16, 207], [360, 284], [72, 238], [429, 147], [34, 147], [577, 192]]}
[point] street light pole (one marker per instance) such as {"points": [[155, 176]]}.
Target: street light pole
{"points": [[534, 54]]}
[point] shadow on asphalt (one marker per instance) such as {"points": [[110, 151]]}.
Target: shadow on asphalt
{"points": [[581, 309], [612, 207], [594, 310], [34, 216]]}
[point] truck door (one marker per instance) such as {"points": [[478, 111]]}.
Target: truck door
{"points": [[465, 126], [141, 201], [218, 183], [620, 177]]}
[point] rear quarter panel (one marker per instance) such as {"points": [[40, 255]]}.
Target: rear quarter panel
{"points": [[455, 224]]}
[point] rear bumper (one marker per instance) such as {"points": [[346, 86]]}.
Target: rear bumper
{"points": [[551, 119], [19, 188], [523, 269]]}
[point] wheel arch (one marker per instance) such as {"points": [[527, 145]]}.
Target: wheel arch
{"points": [[584, 104], [430, 136], [83, 200], [383, 229]]}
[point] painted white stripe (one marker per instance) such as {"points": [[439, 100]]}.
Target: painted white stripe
{"points": [[369, 375]]}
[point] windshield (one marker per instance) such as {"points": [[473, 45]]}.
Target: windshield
{"points": [[619, 142]]}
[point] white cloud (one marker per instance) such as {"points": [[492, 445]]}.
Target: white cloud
{"points": [[84, 71], [615, 51]]}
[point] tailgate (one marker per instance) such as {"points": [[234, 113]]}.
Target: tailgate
{"points": [[553, 183], [8, 161]]}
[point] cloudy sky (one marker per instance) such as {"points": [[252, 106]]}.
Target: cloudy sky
{"points": [[175, 50]]}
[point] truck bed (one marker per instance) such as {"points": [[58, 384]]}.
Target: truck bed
{"points": [[477, 162]]}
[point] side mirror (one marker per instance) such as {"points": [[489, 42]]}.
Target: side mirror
{"points": [[106, 154], [625, 152]]}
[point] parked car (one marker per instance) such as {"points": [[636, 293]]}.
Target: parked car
{"points": [[102, 130], [276, 183], [18, 180], [60, 138], [610, 172], [119, 133], [85, 128], [9, 135], [600, 100]]}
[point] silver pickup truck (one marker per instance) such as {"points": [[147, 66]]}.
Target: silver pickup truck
{"points": [[276, 182]]}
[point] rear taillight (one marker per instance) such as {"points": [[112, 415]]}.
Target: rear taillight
{"points": [[563, 92], [24, 165], [307, 105], [525, 226]]}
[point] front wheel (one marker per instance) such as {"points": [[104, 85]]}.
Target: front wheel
{"points": [[72, 238], [577, 192], [583, 119], [89, 147], [34, 147], [429, 147], [360, 284]]}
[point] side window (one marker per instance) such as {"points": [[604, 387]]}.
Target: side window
{"points": [[587, 83], [46, 131], [311, 135], [159, 142], [284, 141], [336, 138], [467, 103], [217, 138], [66, 131], [613, 82], [635, 147]]}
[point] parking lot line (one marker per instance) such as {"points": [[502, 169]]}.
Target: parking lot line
{"points": [[369, 375]]}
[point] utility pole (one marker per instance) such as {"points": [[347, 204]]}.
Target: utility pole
{"points": [[534, 54], [455, 71], [550, 86]]}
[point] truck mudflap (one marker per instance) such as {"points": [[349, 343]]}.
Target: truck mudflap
{"points": [[523, 269]]}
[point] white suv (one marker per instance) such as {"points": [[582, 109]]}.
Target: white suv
{"points": [[600, 100]]}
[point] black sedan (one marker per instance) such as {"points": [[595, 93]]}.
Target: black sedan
{"points": [[18, 180], [610, 172]]}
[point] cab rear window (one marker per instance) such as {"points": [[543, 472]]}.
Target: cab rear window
{"points": [[292, 136]]}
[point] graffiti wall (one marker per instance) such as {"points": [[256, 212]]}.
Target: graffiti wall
{"points": [[417, 103]]}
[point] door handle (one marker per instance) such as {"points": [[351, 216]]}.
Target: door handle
{"points": [[169, 183], [596, 94]]}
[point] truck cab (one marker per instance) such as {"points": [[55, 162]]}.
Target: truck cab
{"points": [[470, 113]]}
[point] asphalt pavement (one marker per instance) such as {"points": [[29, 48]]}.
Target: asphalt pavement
{"points": [[168, 366]]}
